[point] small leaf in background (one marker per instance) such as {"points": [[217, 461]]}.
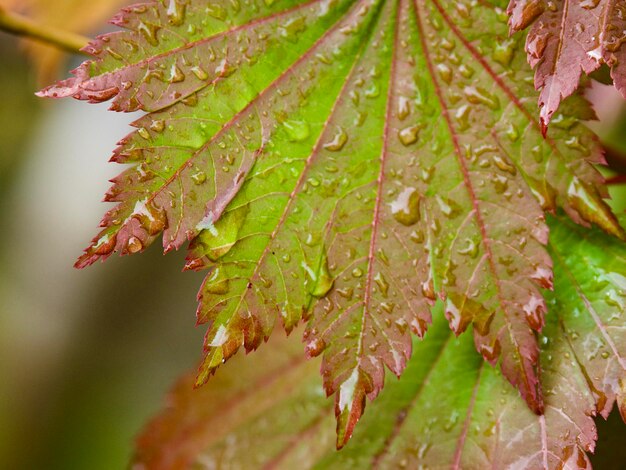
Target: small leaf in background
{"points": [[70, 15], [347, 163], [449, 409], [567, 38]]}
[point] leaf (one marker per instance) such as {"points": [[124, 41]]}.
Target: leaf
{"points": [[449, 409], [567, 38], [347, 163]]}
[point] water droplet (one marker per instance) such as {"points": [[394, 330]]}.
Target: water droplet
{"points": [[563, 121], [409, 135], [265, 282], [466, 71], [382, 284], [338, 141], [454, 316], [143, 132], [176, 74], [428, 288], [199, 177], [373, 91], [152, 219], [347, 293], [512, 133], [200, 73], [462, 117], [388, 307], [134, 245], [490, 351], [445, 73], [404, 108], [451, 422], [158, 125], [534, 310], [500, 183], [324, 280], [105, 244], [470, 249], [503, 165], [504, 51], [427, 174], [297, 131], [175, 13], [447, 44], [149, 32], [383, 256], [217, 238], [478, 95], [292, 27], [448, 208], [315, 347], [216, 11], [216, 282], [405, 209], [589, 4]]}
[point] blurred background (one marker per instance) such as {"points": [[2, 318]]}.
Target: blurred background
{"points": [[87, 356]]}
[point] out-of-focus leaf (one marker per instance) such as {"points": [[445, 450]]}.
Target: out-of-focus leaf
{"points": [[567, 38], [78, 16], [449, 409], [346, 162]]}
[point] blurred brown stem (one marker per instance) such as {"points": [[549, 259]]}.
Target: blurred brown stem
{"points": [[22, 26], [615, 159]]}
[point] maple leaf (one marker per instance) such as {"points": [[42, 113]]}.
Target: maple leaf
{"points": [[448, 410], [567, 38], [344, 162]]}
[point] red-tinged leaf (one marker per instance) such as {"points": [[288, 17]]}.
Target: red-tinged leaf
{"points": [[344, 163], [278, 381], [570, 37], [594, 282], [449, 409], [209, 125]]}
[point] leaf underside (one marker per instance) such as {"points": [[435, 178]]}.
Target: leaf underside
{"points": [[567, 38], [449, 410], [347, 163]]}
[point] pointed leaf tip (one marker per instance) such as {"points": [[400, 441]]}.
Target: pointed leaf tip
{"points": [[350, 404]]}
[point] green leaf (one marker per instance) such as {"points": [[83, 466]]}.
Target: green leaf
{"points": [[449, 409], [345, 162]]}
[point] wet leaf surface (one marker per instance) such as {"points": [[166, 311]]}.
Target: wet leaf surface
{"points": [[347, 163], [568, 38], [450, 409]]}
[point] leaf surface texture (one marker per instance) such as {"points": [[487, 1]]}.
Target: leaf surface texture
{"points": [[347, 163], [568, 38], [450, 409]]}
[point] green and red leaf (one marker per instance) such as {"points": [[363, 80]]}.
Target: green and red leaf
{"points": [[347, 163], [449, 409]]}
